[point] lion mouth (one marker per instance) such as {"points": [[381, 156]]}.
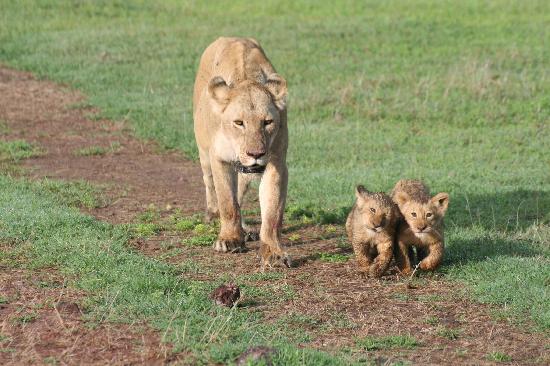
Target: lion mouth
{"points": [[252, 169]]}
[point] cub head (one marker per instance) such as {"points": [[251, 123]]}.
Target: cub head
{"points": [[250, 114], [422, 216], [376, 210]]}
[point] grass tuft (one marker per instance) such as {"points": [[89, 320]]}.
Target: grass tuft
{"points": [[372, 343]]}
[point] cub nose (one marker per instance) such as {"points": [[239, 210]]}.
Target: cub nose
{"points": [[422, 228], [256, 154], [381, 223]]}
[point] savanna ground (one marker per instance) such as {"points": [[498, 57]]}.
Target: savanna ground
{"points": [[453, 93]]}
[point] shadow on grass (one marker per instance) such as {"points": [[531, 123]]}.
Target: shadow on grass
{"points": [[508, 211], [462, 251]]}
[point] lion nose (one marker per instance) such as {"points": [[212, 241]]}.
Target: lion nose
{"points": [[422, 228], [256, 154]]}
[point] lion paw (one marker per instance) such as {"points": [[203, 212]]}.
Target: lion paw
{"points": [[269, 258], [211, 216], [229, 246]]}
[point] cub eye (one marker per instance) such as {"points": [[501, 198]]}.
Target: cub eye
{"points": [[429, 214], [238, 122], [268, 122], [372, 210], [413, 214]]}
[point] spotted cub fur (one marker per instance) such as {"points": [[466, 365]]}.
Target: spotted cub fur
{"points": [[371, 226], [421, 225]]}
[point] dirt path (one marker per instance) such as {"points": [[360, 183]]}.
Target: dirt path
{"points": [[134, 173], [327, 299]]}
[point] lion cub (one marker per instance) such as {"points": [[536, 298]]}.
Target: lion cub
{"points": [[420, 227], [371, 226]]}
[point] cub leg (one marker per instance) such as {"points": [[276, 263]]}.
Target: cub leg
{"points": [[244, 184], [434, 257], [231, 236], [421, 253], [273, 188], [212, 211], [402, 257], [362, 256], [382, 260]]}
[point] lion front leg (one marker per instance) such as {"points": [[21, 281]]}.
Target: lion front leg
{"points": [[402, 257], [382, 260], [273, 189], [250, 234], [212, 211], [231, 235], [434, 257]]}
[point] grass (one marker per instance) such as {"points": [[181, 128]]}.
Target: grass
{"points": [[454, 93], [16, 150], [449, 333], [499, 357], [126, 286], [372, 343], [332, 257], [97, 150]]}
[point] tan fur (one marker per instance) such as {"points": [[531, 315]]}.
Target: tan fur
{"points": [[371, 228], [240, 118], [421, 226]]}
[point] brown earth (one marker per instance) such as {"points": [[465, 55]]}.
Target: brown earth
{"points": [[327, 300]]}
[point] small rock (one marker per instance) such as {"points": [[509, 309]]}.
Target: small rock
{"points": [[255, 354], [226, 295]]}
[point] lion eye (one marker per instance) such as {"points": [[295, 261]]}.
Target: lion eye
{"points": [[413, 214], [238, 122], [429, 214], [372, 210], [268, 122]]}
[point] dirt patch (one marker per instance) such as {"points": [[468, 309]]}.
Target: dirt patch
{"points": [[43, 322], [134, 173], [324, 297]]}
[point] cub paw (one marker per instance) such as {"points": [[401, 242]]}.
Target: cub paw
{"points": [[251, 236], [229, 246]]}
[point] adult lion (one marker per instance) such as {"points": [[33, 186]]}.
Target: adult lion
{"points": [[239, 106]]}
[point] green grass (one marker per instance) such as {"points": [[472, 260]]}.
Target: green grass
{"points": [[499, 357], [97, 150], [332, 257], [372, 343], [449, 333], [14, 151], [126, 286], [455, 93]]}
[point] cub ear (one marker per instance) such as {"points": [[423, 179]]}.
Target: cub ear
{"points": [[360, 192], [400, 198], [276, 85], [441, 201], [219, 92]]}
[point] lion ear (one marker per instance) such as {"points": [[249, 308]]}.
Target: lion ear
{"points": [[276, 85], [441, 201], [400, 198], [360, 193], [219, 92]]}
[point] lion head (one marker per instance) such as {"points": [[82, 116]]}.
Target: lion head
{"points": [[422, 216], [251, 114], [376, 210]]}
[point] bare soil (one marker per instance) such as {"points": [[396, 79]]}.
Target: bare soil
{"points": [[330, 300]]}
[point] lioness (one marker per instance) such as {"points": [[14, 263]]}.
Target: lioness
{"points": [[239, 110]]}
